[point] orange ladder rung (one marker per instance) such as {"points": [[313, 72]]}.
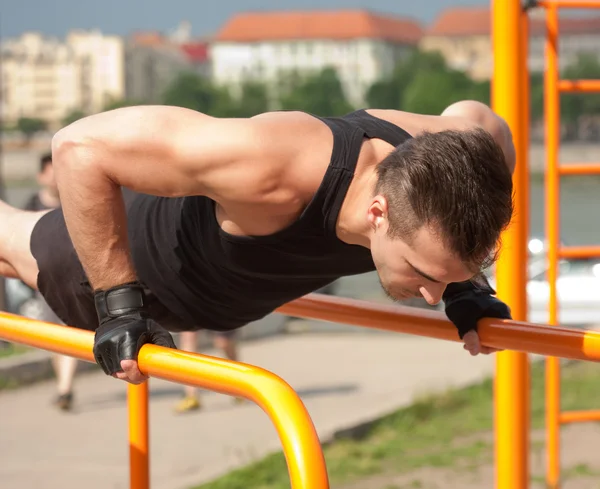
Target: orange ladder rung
{"points": [[578, 86], [567, 4], [579, 252], [579, 416], [579, 169]]}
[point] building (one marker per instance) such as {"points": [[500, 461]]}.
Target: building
{"points": [[40, 79], [45, 78], [153, 61], [463, 36], [102, 61], [261, 46]]}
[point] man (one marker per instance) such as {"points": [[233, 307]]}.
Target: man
{"points": [[224, 341], [47, 197], [175, 220]]}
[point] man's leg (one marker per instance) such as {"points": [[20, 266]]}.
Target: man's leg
{"points": [[64, 366], [226, 342], [190, 401], [16, 260]]}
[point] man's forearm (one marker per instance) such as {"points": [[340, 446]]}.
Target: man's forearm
{"points": [[96, 220]]}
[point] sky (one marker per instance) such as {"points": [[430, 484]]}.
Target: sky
{"points": [[121, 17]]}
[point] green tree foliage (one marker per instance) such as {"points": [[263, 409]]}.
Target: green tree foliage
{"points": [[319, 93], [29, 126], [73, 116], [422, 82], [196, 92]]}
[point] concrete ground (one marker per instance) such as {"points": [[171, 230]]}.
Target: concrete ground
{"points": [[343, 379]]}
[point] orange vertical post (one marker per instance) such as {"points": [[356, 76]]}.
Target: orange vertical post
{"points": [[511, 386], [139, 454], [552, 115]]}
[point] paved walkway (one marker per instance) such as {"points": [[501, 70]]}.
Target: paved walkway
{"points": [[343, 379]]}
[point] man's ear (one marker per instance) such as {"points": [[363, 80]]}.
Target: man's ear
{"points": [[378, 211]]}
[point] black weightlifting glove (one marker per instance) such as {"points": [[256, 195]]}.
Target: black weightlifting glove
{"points": [[124, 326], [468, 302]]}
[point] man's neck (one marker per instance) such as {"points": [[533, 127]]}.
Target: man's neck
{"points": [[353, 226]]}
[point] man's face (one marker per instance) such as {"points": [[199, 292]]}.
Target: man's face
{"points": [[421, 269]]}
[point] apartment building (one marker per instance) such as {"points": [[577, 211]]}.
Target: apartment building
{"points": [[47, 78], [361, 45]]}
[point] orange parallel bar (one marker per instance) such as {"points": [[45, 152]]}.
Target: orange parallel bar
{"points": [[579, 86], [301, 445], [579, 416], [509, 335], [579, 169], [567, 4], [206, 372], [579, 252]]}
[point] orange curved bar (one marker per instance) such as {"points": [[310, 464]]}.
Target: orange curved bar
{"points": [[579, 416], [579, 252], [301, 445], [567, 4], [579, 86], [579, 169], [509, 335]]}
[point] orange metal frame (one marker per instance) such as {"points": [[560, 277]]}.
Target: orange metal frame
{"points": [[306, 464], [553, 87], [301, 445]]}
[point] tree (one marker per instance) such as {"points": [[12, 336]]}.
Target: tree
{"points": [[253, 100], [319, 93], [430, 92], [195, 92], [388, 93], [73, 116], [29, 126], [120, 103]]}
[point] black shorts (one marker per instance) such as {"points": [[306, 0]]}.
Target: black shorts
{"points": [[64, 285]]}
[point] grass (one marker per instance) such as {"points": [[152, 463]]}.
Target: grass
{"points": [[11, 349], [442, 430]]}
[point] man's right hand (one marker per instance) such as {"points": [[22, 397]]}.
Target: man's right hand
{"points": [[124, 328]]}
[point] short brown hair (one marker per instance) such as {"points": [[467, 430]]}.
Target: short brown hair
{"points": [[457, 181]]}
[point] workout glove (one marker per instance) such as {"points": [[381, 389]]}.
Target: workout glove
{"points": [[124, 326], [468, 302]]}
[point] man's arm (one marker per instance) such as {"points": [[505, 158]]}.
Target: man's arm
{"points": [[486, 118], [167, 151]]}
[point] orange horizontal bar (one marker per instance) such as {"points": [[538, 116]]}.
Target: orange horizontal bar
{"points": [[579, 416], [301, 445], [509, 335], [567, 4], [579, 169], [579, 252], [578, 86]]}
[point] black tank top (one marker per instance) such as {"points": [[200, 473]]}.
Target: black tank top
{"points": [[211, 279]]}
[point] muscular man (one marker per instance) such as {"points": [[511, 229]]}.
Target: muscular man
{"points": [[175, 220]]}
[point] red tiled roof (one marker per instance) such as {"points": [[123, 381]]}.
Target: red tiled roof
{"points": [[340, 24], [148, 38], [196, 52], [476, 21]]}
